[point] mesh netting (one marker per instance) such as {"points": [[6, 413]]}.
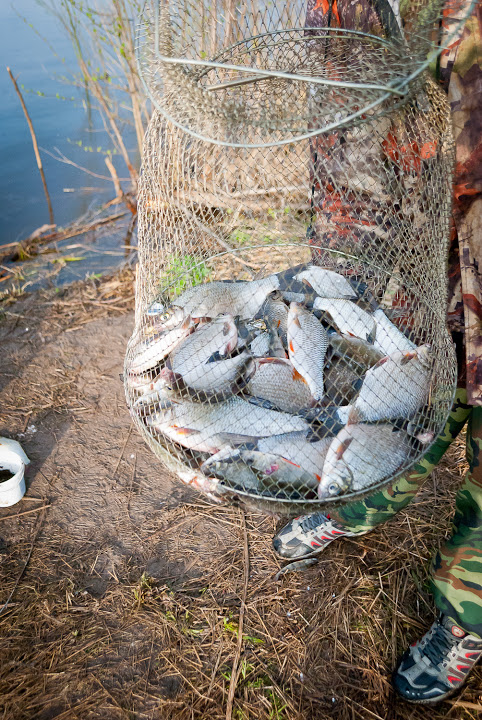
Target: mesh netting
{"points": [[290, 347]]}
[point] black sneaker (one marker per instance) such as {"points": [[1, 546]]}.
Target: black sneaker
{"points": [[435, 667], [307, 535]]}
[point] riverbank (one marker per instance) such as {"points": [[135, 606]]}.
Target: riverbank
{"points": [[124, 587]]}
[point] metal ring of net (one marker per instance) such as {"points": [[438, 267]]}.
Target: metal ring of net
{"points": [[248, 81]]}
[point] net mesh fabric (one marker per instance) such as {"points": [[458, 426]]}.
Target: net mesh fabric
{"points": [[369, 198]]}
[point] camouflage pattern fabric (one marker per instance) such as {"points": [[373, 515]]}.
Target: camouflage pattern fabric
{"points": [[461, 76], [457, 566]]}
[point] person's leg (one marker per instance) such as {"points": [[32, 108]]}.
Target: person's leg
{"points": [[457, 566], [436, 666], [311, 533]]}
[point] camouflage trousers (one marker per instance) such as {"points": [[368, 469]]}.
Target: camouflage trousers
{"points": [[456, 570]]}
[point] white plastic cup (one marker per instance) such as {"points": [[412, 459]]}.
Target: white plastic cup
{"points": [[12, 458]]}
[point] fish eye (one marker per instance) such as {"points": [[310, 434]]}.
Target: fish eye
{"points": [[333, 488]]}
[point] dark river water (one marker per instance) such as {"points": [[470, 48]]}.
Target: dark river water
{"points": [[64, 124]]}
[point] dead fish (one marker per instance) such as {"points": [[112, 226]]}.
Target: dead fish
{"points": [[227, 465], [211, 382], [388, 338], [218, 336], [296, 566], [307, 345], [296, 448], [396, 387], [326, 283], [356, 352], [276, 314], [342, 383], [349, 318], [360, 456], [242, 299], [258, 470], [277, 381], [205, 427], [150, 352]]}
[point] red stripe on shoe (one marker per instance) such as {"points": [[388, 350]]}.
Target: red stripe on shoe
{"points": [[470, 655], [453, 679], [462, 668]]}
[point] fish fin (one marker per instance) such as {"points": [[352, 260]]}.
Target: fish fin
{"points": [[307, 282], [186, 323], [371, 337], [272, 360], [354, 416], [381, 362], [291, 347], [297, 376], [185, 432], [407, 357], [342, 447], [296, 321]]}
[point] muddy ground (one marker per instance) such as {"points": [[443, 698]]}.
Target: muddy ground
{"points": [[133, 594]]}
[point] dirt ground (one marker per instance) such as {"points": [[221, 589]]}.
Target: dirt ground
{"points": [[126, 590]]}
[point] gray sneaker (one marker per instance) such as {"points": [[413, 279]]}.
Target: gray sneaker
{"points": [[307, 535], [437, 665]]}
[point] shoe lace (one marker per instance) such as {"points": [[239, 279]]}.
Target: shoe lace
{"points": [[439, 645], [310, 522]]}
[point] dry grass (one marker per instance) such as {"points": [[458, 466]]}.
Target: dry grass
{"points": [[156, 635]]}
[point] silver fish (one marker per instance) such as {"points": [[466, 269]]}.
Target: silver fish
{"points": [[396, 387], [150, 352], [213, 381], [307, 345], [276, 314], [296, 566], [279, 382], [349, 318], [356, 352], [218, 336], [326, 283], [360, 456], [388, 338], [242, 299], [227, 465], [258, 470], [207, 428], [297, 449]]}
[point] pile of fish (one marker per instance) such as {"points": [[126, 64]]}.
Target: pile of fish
{"points": [[296, 386]]}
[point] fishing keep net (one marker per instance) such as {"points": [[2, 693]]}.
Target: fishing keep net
{"points": [[290, 349]]}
